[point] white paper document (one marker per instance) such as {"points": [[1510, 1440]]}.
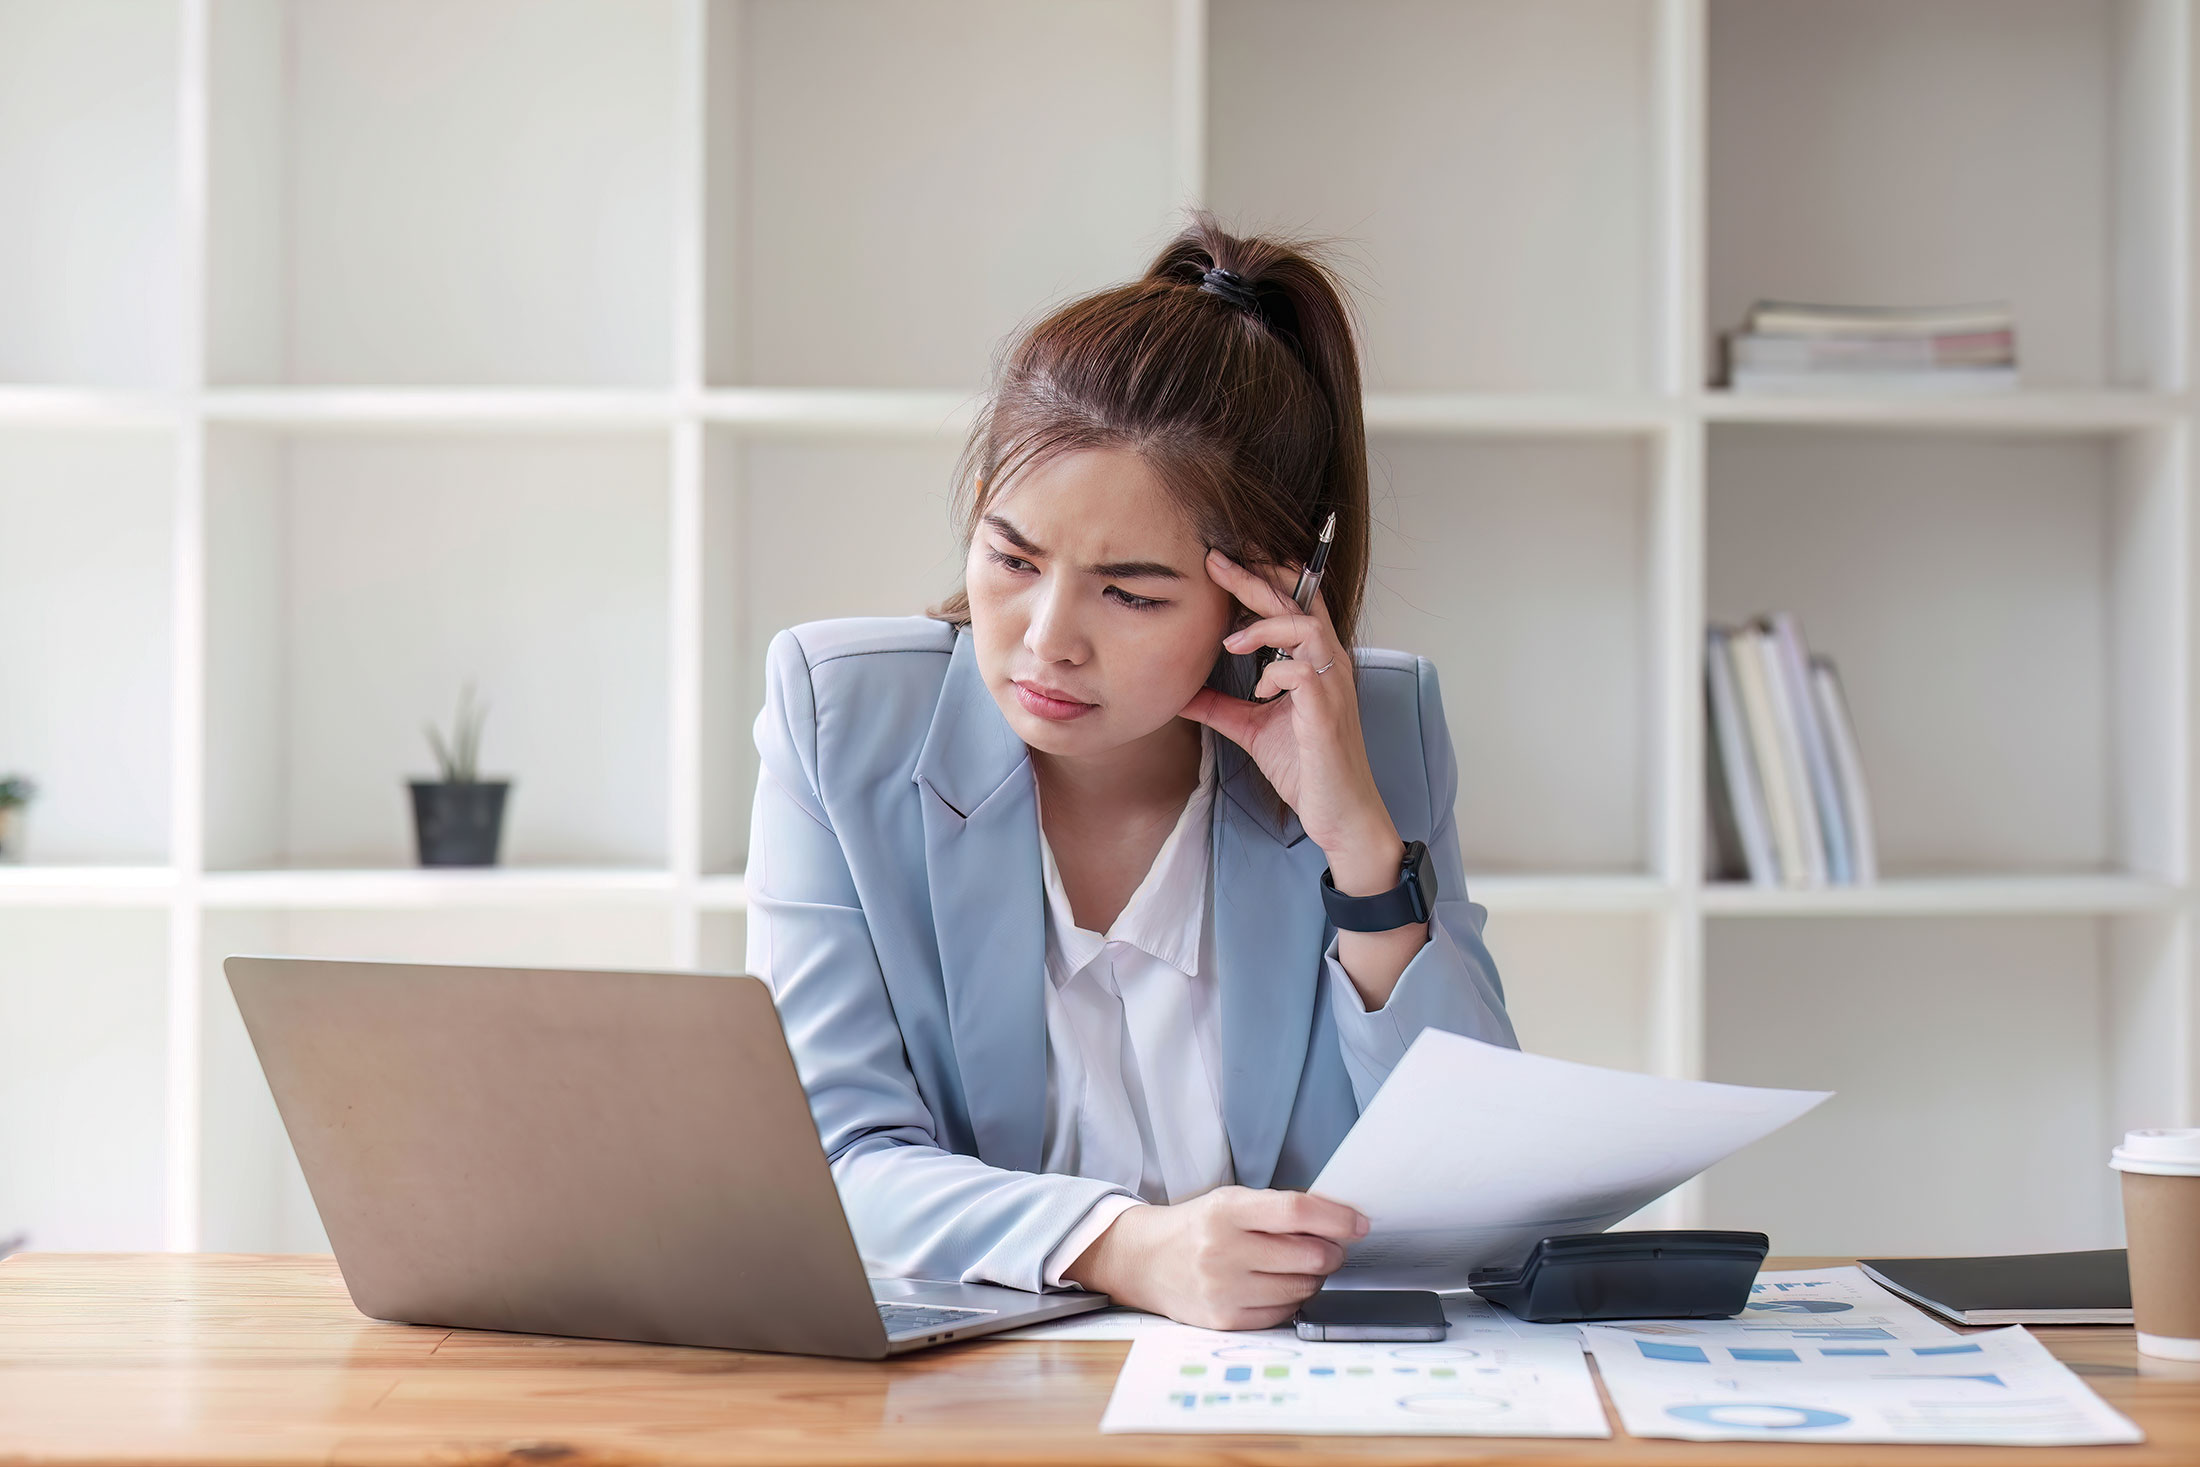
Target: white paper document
{"points": [[1833, 1305], [1468, 1314], [2000, 1388], [1180, 1379], [1470, 1152]]}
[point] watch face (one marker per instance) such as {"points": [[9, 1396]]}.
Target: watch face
{"points": [[1420, 880]]}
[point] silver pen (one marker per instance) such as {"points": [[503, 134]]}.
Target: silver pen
{"points": [[1302, 596]]}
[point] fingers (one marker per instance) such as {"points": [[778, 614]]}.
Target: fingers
{"points": [[1285, 677], [1276, 1211], [1233, 718], [1292, 634], [1262, 595], [1293, 1255]]}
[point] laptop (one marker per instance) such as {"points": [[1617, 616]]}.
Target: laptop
{"points": [[618, 1155]]}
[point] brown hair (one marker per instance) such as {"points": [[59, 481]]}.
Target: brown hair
{"points": [[1229, 367]]}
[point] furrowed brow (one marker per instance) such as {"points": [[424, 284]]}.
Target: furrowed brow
{"points": [[1011, 534], [1136, 570]]}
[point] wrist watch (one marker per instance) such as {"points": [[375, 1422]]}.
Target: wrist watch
{"points": [[1411, 900]]}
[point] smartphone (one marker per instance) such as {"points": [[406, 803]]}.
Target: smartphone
{"points": [[1372, 1314]]}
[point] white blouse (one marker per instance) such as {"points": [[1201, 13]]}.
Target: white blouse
{"points": [[1134, 1066]]}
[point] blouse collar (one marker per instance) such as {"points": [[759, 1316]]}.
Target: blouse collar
{"points": [[1165, 915]]}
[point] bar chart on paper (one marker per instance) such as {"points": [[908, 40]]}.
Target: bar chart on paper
{"points": [[2001, 1389], [1191, 1380]]}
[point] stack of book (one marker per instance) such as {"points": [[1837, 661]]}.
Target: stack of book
{"points": [[1786, 346], [1788, 804]]}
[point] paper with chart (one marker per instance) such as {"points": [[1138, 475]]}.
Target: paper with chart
{"points": [[1833, 1306], [1470, 1152], [1180, 1379], [2000, 1388]]}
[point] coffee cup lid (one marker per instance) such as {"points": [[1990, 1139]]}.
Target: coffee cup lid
{"points": [[2161, 1153]]}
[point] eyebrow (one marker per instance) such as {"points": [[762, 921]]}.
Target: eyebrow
{"points": [[1125, 570]]}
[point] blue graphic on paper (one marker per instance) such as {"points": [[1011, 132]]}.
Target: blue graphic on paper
{"points": [[1756, 1415], [1659, 1350], [1946, 1350], [1799, 1306], [1742, 1353], [1828, 1331]]}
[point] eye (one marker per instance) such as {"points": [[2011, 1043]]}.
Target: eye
{"points": [[1013, 564], [1135, 603]]}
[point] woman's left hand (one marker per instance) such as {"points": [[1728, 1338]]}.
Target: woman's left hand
{"points": [[1308, 744]]}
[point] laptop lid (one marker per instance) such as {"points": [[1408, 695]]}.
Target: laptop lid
{"points": [[623, 1155]]}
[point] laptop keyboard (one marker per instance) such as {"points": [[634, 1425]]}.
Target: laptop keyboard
{"points": [[910, 1319]]}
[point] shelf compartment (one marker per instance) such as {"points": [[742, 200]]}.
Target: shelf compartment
{"points": [[2003, 612], [253, 1198], [355, 581], [722, 942], [892, 188], [774, 557], [442, 191], [1522, 568], [1904, 152], [86, 626], [83, 1062], [1974, 1062], [89, 283], [1491, 165], [1579, 987]]}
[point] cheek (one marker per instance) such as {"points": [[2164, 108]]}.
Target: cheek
{"points": [[996, 613], [1178, 656]]}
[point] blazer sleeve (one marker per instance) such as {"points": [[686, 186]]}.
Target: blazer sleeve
{"points": [[917, 1209], [1452, 982]]}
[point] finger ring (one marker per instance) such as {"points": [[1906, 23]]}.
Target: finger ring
{"points": [[1332, 662]]}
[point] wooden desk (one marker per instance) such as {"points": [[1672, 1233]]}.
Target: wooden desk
{"points": [[138, 1358]]}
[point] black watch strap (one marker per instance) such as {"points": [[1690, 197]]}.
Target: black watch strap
{"points": [[1411, 900]]}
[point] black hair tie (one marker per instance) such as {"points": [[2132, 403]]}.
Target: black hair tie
{"points": [[1232, 287]]}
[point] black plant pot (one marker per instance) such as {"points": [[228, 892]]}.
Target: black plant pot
{"points": [[459, 824]]}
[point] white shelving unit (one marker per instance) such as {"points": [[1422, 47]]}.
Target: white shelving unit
{"points": [[351, 350]]}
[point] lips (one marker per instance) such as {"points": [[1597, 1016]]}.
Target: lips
{"points": [[1051, 704]]}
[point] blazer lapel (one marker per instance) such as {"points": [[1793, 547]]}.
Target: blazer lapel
{"points": [[1268, 940], [981, 840]]}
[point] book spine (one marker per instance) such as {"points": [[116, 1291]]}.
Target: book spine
{"points": [[1787, 636], [1794, 772], [1737, 765], [1833, 708], [1796, 317], [1764, 741], [1874, 353]]}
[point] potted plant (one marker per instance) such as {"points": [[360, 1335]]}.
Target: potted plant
{"points": [[458, 819], [16, 791]]}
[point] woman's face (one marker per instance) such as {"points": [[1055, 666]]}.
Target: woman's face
{"points": [[1090, 604]]}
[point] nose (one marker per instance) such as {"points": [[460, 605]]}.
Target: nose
{"points": [[1056, 632]]}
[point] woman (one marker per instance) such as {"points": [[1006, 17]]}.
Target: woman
{"points": [[1042, 899]]}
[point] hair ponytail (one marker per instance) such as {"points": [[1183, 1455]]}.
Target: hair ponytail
{"points": [[1230, 367]]}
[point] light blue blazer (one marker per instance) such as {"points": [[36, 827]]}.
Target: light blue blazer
{"points": [[897, 909]]}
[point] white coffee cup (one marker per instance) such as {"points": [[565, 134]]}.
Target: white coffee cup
{"points": [[2162, 1234]]}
